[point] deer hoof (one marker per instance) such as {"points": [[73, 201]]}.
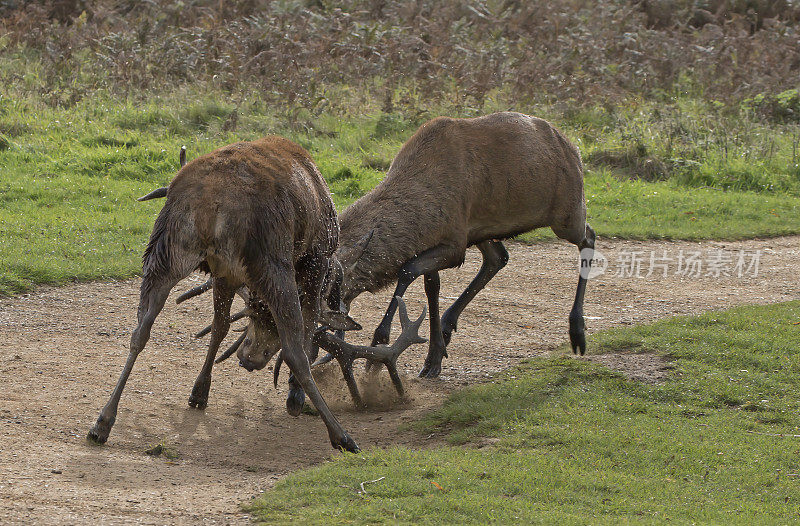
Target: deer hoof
{"points": [[448, 328], [431, 371], [578, 341], [197, 402], [295, 401], [199, 396], [447, 334], [346, 444], [100, 431], [380, 337], [577, 335]]}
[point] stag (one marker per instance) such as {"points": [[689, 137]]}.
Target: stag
{"points": [[454, 184], [255, 214]]}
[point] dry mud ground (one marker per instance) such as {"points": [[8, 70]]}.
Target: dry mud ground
{"points": [[63, 349]]}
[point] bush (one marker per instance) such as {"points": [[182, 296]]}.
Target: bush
{"points": [[405, 54]]}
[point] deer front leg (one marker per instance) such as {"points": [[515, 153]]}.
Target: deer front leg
{"points": [[437, 347], [495, 257], [223, 298], [311, 275], [434, 259], [151, 301], [284, 303]]}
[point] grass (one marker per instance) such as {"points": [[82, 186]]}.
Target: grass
{"points": [[574, 443], [70, 175]]}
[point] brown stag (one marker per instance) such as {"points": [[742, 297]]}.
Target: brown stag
{"points": [[457, 183], [255, 214]]}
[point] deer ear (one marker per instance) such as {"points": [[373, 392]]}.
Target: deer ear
{"points": [[338, 321], [359, 248]]}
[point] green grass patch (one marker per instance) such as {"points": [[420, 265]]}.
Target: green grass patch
{"points": [[571, 442], [71, 173]]}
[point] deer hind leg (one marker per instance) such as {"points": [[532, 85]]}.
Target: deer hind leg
{"points": [[311, 275], [582, 235], [577, 326], [223, 298], [153, 294], [434, 259], [279, 290], [495, 258]]}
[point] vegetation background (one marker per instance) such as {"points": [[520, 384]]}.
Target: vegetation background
{"points": [[687, 112]]}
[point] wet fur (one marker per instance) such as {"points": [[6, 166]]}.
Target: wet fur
{"points": [[253, 213]]}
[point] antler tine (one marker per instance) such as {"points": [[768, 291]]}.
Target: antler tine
{"points": [[155, 194], [182, 156], [236, 317], [195, 291], [232, 349], [410, 329], [322, 361], [408, 336], [345, 353]]}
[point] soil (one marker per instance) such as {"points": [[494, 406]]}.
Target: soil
{"points": [[63, 349]]}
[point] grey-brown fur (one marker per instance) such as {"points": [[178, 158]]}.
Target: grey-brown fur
{"points": [[256, 214], [454, 184]]}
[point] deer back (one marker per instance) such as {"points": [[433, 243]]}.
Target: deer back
{"points": [[460, 182], [251, 199]]}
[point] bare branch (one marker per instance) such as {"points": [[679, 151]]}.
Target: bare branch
{"points": [[369, 482]]}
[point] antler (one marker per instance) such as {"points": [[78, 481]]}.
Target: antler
{"points": [[195, 291], [232, 349], [236, 317], [345, 353], [242, 292], [162, 192]]}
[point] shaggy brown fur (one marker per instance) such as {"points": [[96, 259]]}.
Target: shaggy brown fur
{"points": [[257, 214]]}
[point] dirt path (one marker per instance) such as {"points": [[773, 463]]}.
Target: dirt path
{"points": [[63, 349]]}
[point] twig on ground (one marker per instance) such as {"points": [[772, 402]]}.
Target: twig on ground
{"points": [[781, 435], [363, 491]]}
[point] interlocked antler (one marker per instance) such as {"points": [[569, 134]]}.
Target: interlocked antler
{"points": [[242, 292], [345, 353], [195, 291]]}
